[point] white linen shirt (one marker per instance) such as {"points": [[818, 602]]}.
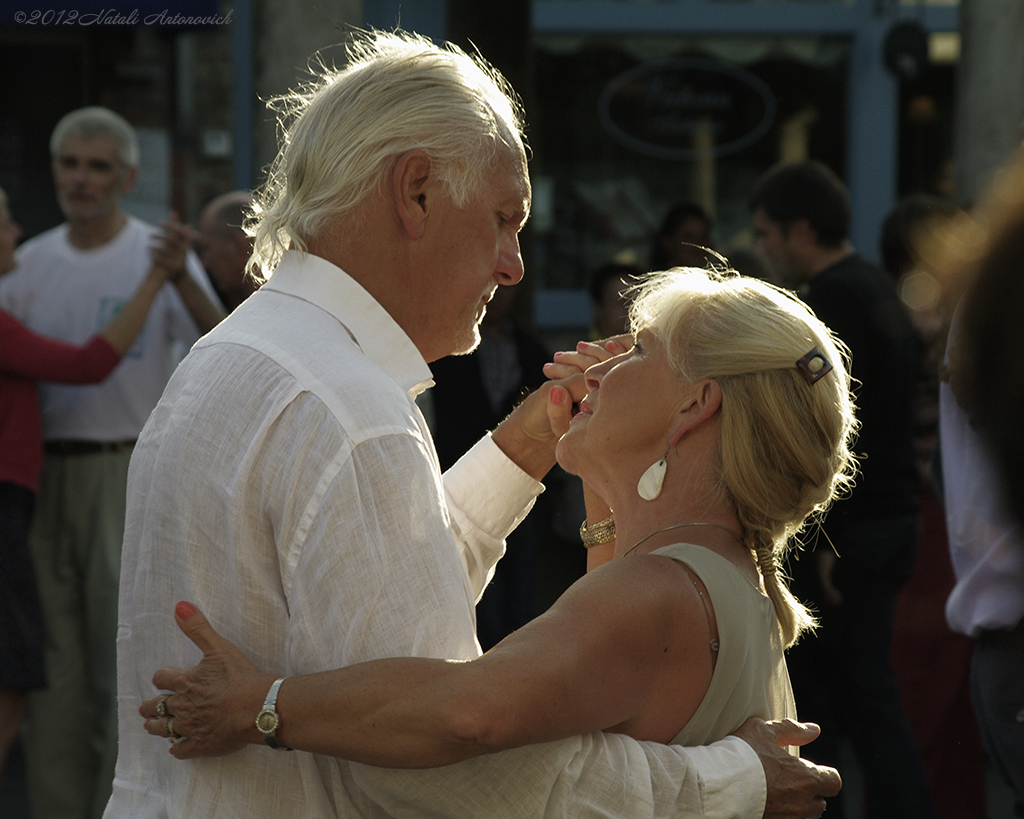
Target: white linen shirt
{"points": [[287, 484], [986, 544]]}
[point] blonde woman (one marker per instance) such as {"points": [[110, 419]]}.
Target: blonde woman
{"points": [[714, 438]]}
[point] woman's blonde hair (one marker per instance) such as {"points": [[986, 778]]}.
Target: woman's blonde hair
{"points": [[342, 133], [785, 442]]}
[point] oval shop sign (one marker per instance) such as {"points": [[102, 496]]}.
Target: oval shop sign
{"points": [[659, 108]]}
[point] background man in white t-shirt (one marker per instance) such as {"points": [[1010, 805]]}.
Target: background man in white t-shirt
{"points": [[69, 282]]}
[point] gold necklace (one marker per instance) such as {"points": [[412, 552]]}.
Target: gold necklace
{"points": [[681, 526]]}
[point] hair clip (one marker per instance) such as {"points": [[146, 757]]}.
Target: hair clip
{"points": [[814, 365]]}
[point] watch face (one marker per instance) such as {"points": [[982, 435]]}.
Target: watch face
{"points": [[266, 722]]}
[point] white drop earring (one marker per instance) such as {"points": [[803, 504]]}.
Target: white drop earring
{"points": [[650, 483]]}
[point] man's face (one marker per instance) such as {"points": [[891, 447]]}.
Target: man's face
{"points": [[224, 257], [90, 178], [10, 233], [775, 242], [475, 249]]}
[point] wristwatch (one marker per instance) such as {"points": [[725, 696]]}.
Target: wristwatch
{"points": [[267, 720]]}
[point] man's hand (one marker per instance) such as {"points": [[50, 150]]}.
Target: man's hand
{"points": [[796, 788]]}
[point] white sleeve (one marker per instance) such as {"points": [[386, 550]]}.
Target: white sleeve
{"points": [[488, 496], [590, 777]]}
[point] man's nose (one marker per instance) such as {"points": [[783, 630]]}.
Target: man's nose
{"points": [[510, 268]]}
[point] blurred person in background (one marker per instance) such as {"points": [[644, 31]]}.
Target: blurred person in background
{"points": [[69, 282], [683, 239], [931, 662], [25, 358], [609, 304], [982, 442], [864, 552], [224, 247]]}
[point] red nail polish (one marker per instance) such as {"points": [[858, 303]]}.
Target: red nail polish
{"points": [[184, 610], [557, 395]]}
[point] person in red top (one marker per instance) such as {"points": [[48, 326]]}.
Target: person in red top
{"points": [[25, 358]]}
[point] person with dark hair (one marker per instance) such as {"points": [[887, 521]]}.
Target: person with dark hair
{"points": [[608, 301], [903, 225], [865, 549], [982, 450], [684, 238], [224, 248], [931, 662]]}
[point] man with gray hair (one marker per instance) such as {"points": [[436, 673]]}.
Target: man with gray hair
{"points": [[69, 282], [287, 482]]}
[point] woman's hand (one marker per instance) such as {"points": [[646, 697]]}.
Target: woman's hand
{"points": [[529, 435], [569, 367], [171, 246], [213, 705], [587, 354]]}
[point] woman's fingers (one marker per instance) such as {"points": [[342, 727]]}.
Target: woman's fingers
{"points": [[160, 705], [559, 410], [586, 354], [197, 628]]}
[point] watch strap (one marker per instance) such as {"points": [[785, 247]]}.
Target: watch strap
{"points": [[269, 710]]}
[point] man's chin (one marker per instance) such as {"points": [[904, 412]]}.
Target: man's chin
{"points": [[469, 345]]}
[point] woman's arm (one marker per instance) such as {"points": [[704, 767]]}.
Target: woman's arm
{"points": [[200, 306], [125, 327], [171, 251], [30, 355], [565, 365], [625, 649]]}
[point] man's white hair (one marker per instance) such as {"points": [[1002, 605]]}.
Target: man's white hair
{"points": [[96, 121], [342, 133]]}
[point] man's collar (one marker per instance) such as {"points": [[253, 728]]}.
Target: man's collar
{"points": [[380, 338]]}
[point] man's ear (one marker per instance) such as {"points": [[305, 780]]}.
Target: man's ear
{"points": [[702, 403], [128, 180], [410, 181]]}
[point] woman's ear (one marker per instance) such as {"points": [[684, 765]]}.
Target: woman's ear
{"points": [[410, 180], [701, 403]]}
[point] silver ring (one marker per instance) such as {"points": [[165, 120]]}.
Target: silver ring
{"points": [[161, 706], [169, 727]]}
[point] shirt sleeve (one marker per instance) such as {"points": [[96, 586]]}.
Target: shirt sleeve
{"points": [[487, 495], [377, 566], [589, 777], [28, 354]]}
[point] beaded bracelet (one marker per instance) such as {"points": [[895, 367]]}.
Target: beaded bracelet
{"points": [[602, 532]]}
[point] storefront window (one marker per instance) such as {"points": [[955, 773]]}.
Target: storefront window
{"points": [[623, 128]]}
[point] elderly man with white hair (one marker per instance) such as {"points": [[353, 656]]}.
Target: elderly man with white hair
{"points": [[288, 485], [69, 282]]}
